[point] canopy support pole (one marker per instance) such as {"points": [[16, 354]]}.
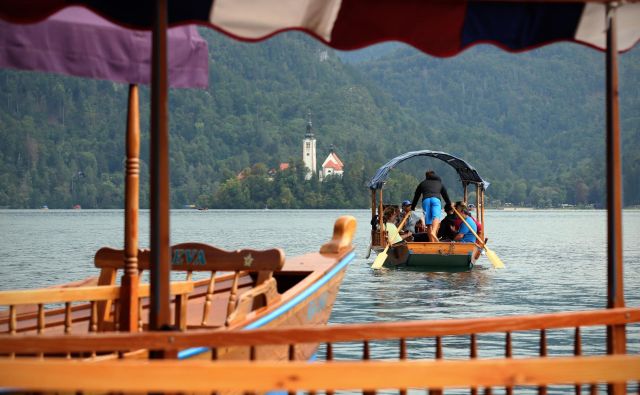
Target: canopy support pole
{"points": [[130, 280], [616, 337], [481, 209], [383, 240], [478, 202], [159, 315]]}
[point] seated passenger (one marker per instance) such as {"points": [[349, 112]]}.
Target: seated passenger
{"points": [[464, 233], [448, 229], [414, 221], [458, 221], [390, 217]]}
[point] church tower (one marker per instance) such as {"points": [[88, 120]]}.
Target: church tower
{"points": [[309, 150]]}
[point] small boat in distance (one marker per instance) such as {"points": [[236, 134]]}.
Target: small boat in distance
{"points": [[430, 256]]}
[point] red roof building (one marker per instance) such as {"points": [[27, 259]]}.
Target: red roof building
{"points": [[332, 166]]}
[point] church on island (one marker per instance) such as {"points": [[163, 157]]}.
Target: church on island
{"points": [[332, 165]]}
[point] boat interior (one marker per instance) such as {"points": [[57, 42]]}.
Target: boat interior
{"points": [[234, 288]]}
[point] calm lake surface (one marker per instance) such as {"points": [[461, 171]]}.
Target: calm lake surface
{"points": [[555, 261]]}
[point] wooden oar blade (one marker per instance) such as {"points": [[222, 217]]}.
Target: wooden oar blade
{"points": [[494, 259], [379, 261]]}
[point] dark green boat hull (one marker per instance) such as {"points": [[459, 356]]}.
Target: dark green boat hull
{"points": [[442, 259]]}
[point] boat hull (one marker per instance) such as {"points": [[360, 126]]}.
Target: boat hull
{"points": [[308, 303], [433, 256]]}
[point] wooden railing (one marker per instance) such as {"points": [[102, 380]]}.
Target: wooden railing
{"points": [[81, 304], [405, 333], [260, 376]]}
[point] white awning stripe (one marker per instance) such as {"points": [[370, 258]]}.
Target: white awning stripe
{"points": [[591, 29], [250, 19]]}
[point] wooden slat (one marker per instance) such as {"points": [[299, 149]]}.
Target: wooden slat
{"points": [[473, 354], [233, 294], [200, 376], [208, 297], [93, 320], [13, 320], [329, 357], [403, 357], [79, 294], [508, 353], [67, 318], [58, 295], [577, 351], [542, 390], [332, 333], [41, 321]]}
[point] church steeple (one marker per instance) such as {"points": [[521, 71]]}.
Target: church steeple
{"points": [[309, 149], [309, 134]]}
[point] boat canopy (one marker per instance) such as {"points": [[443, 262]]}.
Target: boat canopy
{"points": [[465, 171]]}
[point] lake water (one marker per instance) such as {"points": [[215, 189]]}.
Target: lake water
{"points": [[555, 261]]}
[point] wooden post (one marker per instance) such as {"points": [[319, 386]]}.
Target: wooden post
{"points": [[130, 279], [482, 208], [478, 203], [373, 216], [159, 313], [465, 193], [383, 240], [616, 338], [373, 203]]}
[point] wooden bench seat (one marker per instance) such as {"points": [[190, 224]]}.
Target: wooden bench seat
{"points": [[251, 269]]}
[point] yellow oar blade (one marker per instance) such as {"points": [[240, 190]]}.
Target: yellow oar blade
{"points": [[379, 261], [493, 258]]}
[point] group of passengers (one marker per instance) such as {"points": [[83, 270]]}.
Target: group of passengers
{"points": [[431, 228]]}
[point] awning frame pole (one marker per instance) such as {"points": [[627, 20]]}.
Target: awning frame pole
{"points": [[159, 314], [616, 337]]}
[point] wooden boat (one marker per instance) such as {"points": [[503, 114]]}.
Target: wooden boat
{"points": [[244, 289], [420, 24], [434, 256]]}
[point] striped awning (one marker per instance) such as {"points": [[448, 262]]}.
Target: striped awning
{"points": [[437, 27]]}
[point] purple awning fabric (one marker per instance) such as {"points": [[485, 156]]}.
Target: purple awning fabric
{"points": [[77, 42]]}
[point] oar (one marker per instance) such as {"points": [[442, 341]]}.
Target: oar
{"points": [[379, 261], [493, 258]]}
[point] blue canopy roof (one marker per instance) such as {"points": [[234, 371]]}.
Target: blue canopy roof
{"points": [[465, 171]]}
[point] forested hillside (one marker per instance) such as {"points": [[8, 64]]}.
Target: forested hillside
{"points": [[532, 124]]}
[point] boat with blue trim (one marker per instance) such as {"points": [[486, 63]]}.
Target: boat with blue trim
{"points": [[237, 290], [416, 253]]}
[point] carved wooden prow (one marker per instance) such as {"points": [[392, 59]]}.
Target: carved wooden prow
{"points": [[343, 231]]}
